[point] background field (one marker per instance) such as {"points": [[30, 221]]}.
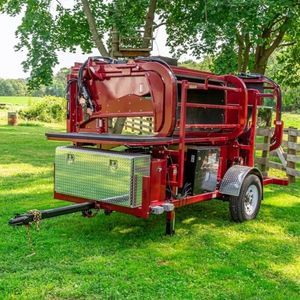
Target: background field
{"points": [[18, 100], [291, 119], [120, 256]]}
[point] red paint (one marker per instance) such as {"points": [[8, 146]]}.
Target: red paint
{"points": [[149, 88], [158, 179], [278, 181]]}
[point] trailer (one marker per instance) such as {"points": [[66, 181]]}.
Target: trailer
{"points": [[202, 146]]}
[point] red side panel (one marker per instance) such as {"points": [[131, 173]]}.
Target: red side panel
{"points": [[158, 179], [125, 90]]}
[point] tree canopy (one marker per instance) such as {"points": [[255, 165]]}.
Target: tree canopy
{"points": [[239, 35], [48, 26], [13, 87], [18, 87]]}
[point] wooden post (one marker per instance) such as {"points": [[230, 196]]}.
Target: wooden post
{"points": [[119, 125], [109, 125], [12, 118], [292, 140], [151, 125], [132, 124], [267, 140], [141, 126]]}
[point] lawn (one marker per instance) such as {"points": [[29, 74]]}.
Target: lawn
{"points": [[120, 256], [18, 100], [291, 120]]}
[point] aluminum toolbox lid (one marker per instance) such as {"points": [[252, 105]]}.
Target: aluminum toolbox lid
{"points": [[109, 153]]}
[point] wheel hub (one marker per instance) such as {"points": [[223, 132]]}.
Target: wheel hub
{"points": [[251, 199]]}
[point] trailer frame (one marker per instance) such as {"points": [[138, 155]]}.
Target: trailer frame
{"points": [[170, 87]]}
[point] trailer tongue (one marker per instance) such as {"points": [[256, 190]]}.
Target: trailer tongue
{"points": [[200, 145], [37, 215]]}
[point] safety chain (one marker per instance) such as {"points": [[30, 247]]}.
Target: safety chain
{"points": [[89, 214], [37, 217], [29, 238]]}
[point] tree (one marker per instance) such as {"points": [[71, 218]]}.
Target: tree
{"points": [[241, 34], [285, 67], [13, 87], [203, 65], [58, 86], [18, 87], [48, 26], [6, 88]]}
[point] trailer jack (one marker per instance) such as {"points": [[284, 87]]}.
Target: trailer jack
{"points": [[170, 222], [27, 218]]}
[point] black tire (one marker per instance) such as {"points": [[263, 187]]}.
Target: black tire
{"points": [[243, 207]]}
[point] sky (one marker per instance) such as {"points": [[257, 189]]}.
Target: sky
{"points": [[10, 60]]}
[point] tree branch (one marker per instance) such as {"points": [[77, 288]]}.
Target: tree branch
{"points": [[275, 20], [93, 28], [263, 53], [59, 3], [240, 42], [287, 44], [246, 52], [239, 38], [158, 25], [278, 38]]}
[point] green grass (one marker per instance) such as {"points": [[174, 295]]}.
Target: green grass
{"points": [[291, 120], [120, 256], [18, 100]]}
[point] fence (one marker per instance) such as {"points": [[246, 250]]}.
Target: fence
{"points": [[288, 155], [3, 105], [139, 125]]}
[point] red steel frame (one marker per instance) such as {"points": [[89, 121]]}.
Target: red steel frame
{"points": [[163, 82]]}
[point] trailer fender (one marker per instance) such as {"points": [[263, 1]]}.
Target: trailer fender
{"points": [[234, 177]]}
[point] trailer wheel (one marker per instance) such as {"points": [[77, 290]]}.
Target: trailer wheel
{"points": [[246, 206]]}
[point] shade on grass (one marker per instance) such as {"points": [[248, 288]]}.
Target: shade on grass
{"points": [[121, 256]]}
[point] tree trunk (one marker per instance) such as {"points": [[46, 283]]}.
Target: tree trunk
{"points": [[260, 66], [246, 53], [148, 28], [262, 56], [240, 58], [93, 28], [240, 42], [264, 51]]}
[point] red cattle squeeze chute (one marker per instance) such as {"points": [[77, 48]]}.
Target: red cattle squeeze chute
{"points": [[201, 145]]}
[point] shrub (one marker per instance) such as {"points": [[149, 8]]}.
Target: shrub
{"points": [[291, 99], [49, 109]]}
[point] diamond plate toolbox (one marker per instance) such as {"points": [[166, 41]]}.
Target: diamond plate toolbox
{"points": [[108, 176]]}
